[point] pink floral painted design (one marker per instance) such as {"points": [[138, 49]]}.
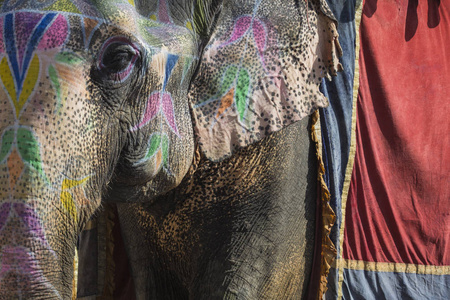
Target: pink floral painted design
{"points": [[16, 258], [245, 25], [23, 265], [13, 257], [163, 12], [240, 28], [168, 111], [25, 24], [56, 34], [32, 222], [159, 102], [23, 34]]}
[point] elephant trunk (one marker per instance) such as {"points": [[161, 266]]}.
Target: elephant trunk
{"points": [[58, 150], [29, 267], [42, 210], [44, 201]]}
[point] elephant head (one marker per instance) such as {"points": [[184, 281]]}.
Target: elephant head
{"points": [[106, 100]]}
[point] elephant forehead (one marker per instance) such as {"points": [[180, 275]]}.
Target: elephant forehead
{"points": [[95, 15]]}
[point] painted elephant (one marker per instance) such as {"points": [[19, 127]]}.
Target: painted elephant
{"points": [[164, 107]]}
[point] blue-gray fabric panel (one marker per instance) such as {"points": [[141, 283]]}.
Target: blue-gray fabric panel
{"points": [[336, 120], [369, 285]]}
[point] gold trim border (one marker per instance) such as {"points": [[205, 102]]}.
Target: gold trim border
{"points": [[351, 158], [328, 250], [392, 267]]}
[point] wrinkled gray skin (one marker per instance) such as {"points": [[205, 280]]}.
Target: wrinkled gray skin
{"points": [[237, 229]]}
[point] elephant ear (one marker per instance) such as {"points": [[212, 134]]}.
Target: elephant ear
{"points": [[261, 70]]}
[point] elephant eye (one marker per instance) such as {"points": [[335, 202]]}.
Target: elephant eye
{"points": [[117, 58]]}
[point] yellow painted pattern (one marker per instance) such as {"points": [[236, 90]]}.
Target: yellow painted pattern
{"points": [[28, 84], [7, 79], [131, 2], [63, 5], [66, 196], [70, 183], [69, 204], [189, 26]]}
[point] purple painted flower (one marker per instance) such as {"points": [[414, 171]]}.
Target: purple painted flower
{"points": [[162, 13], [32, 221], [29, 218], [159, 102], [36, 31], [56, 34], [20, 264]]}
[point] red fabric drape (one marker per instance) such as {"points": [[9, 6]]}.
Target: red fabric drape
{"points": [[398, 209]]}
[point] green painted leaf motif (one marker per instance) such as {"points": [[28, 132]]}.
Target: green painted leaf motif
{"points": [[155, 144], [242, 88], [165, 150], [29, 149], [228, 79], [6, 143], [68, 58], [53, 74]]}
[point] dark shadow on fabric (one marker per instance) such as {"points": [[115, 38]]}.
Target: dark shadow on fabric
{"points": [[382, 111], [343, 10], [370, 7], [412, 20], [434, 17], [347, 14]]}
